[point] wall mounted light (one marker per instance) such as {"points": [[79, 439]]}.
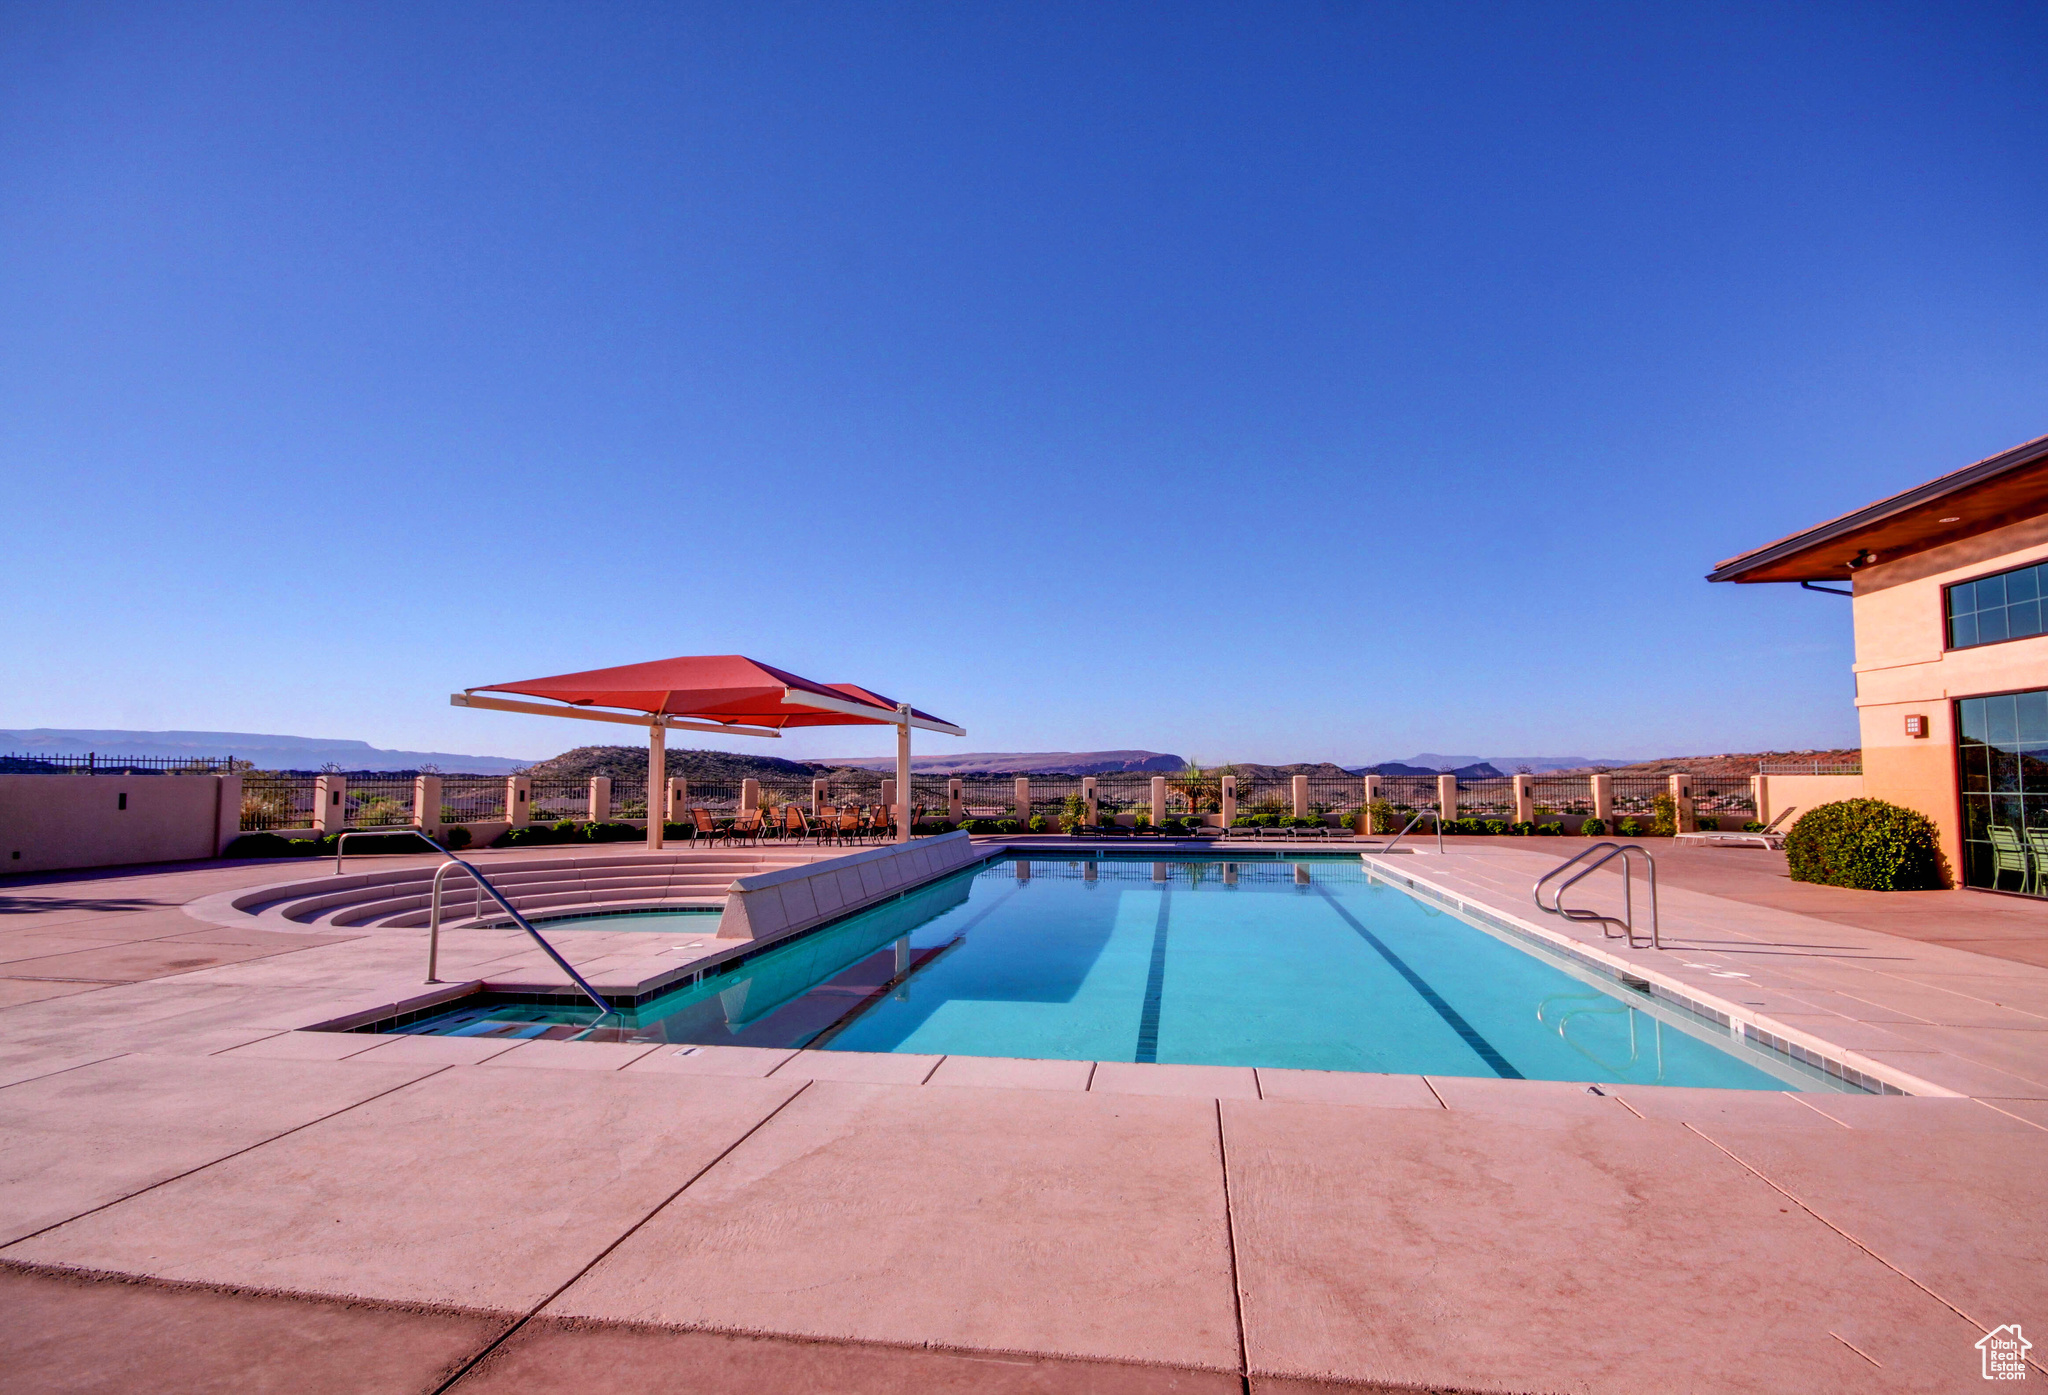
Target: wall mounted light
{"points": [[1916, 725]]}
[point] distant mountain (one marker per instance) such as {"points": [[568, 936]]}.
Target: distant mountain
{"points": [[629, 764], [1478, 770], [1024, 763], [1430, 763], [265, 752]]}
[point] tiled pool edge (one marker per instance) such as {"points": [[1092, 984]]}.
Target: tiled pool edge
{"points": [[1752, 1028]]}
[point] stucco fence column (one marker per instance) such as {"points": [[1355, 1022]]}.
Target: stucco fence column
{"points": [[330, 803], [519, 800], [1603, 799], [956, 804], [599, 808], [1372, 797], [1229, 800], [1681, 801], [889, 799], [1158, 800], [227, 812], [678, 802], [1447, 797], [426, 802], [1023, 798], [1090, 802], [1525, 799], [750, 794], [1298, 791]]}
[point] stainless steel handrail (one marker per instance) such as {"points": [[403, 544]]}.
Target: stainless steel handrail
{"points": [[1627, 853], [484, 883], [434, 914], [393, 832], [1420, 815]]}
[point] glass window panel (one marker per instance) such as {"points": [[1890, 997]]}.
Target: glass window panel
{"points": [[2005, 771], [2022, 618], [2031, 713], [1976, 815], [1970, 718], [2002, 720], [2022, 585], [1990, 592], [1977, 864], [1991, 626], [1962, 600], [2037, 811], [1962, 632], [1976, 763], [2005, 810], [2034, 770]]}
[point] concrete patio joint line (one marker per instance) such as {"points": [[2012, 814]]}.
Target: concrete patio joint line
{"points": [[625, 1235], [215, 1162], [1244, 1366]]}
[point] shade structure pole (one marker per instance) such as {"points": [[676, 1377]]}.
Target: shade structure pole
{"points": [[903, 772], [657, 782]]}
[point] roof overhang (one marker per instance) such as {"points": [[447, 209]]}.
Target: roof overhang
{"points": [[2005, 488]]}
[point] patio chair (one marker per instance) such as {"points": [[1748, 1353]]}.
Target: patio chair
{"points": [[1771, 836], [846, 825], [746, 824], [2037, 844], [794, 824], [700, 820], [2009, 854]]}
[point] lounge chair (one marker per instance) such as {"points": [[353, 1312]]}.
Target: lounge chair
{"points": [[1770, 836], [2009, 854]]}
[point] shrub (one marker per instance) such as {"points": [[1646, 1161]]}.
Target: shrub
{"points": [[1008, 826], [611, 832], [1708, 823], [1145, 821], [1073, 813], [1752, 825], [1663, 816], [1628, 828], [565, 830], [931, 828], [1494, 828], [1869, 844], [676, 832], [1380, 817], [976, 826], [1522, 830], [1037, 824], [258, 845], [1593, 828], [455, 839], [1550, 830], [310, 847]]}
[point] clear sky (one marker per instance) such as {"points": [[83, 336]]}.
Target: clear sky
{"points": [[1257, 382]]}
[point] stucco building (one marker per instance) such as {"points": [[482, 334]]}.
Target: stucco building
{"points": [[1949, 587]]}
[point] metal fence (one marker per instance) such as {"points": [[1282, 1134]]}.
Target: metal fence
{"points": [[379, 803], [272, 801], [472, 798], [92, 763], [1492, 797], [714, 796], [1718, 794], [551, 801], [1634, 794], [1560, 794], [1803, 767]]}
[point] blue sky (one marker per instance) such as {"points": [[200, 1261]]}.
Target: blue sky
{"points": [[1254, 382]]}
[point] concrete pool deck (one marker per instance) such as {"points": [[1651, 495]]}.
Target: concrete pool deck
{"points": [[196, 1194]]}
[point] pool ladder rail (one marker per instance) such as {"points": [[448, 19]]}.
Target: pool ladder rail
{"points": [[1628, 853], [484, 885], [1420, 815]]}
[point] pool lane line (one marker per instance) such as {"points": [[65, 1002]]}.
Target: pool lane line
{"points": [[1469, 1034], [1155, 980]]}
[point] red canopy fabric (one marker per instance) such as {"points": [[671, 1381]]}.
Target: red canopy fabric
{"points": [[704, 687]]}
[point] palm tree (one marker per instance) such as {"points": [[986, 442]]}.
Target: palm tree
{"points": [[1197, 786]]}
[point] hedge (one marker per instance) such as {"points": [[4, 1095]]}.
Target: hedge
{"points": [[1869, 844]]}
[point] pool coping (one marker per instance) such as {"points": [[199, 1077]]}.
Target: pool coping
{"points": [[1754, 1029]]}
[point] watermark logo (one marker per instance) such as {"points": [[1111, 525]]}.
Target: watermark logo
{"points": [[2005, 1353]]}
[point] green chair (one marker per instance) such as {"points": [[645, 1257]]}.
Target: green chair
{"points": [[2037, 842], [2009, 854]]}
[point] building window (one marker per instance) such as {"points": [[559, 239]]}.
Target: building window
{"points": [[2002, 754], [1992, 608]]}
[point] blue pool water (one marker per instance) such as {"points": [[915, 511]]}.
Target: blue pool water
{"points": [[1306, 962]]}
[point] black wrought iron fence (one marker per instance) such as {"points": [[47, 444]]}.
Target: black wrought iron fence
{"points": [[714, 796], [1124, 792], [551, 801], [1333, 794], [472, 799], [1635, 794], [988, 799], [1204, 873], [777, 792], [1489, 797], [1264, 794], [1409, 791], [272, 801], [92, 763], [1716, 794], [1561, 794], [379, 803]]}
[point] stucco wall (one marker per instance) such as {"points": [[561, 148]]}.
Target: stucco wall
{"points": [[1802, 792], [1902, 668], [54, 822]]}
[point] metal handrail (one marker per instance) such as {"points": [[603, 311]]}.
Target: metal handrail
{"points": [[1420, 815], [484, 883], [1627, 853], [395, 831]]}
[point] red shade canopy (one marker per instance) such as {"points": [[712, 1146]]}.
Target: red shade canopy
{"points": [[705, 687], [860, 694]]}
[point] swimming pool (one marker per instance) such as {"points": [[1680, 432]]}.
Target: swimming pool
{"points": [[1304, 961]]}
